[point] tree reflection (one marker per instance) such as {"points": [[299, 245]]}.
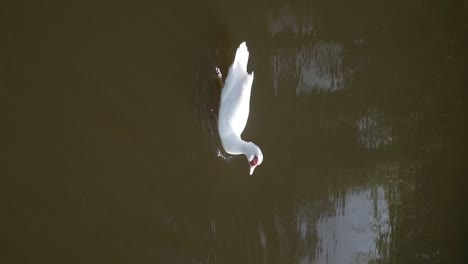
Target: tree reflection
{"points": [[396, 108]]}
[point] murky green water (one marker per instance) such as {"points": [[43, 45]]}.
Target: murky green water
{"points": [[109, 144]]}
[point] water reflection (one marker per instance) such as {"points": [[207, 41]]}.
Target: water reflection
{"points": [[352, 225], [391, 100], [359, 224], [283, 21], [315, 65], [321, 68], [373, 132]]}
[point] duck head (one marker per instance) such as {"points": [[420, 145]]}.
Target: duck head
{"points": [[255, 157]]}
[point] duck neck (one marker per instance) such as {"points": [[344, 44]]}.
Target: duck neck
{"points": [[238, 146]]}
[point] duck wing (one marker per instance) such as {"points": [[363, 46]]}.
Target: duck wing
{"points": [[235, 96]]}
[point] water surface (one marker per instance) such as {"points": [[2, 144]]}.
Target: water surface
{"points": [[109, 143]]}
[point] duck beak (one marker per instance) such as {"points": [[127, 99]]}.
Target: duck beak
{"points": [[252, 168]]}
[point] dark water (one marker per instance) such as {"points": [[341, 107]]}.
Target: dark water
{"points": [[108, 150]]}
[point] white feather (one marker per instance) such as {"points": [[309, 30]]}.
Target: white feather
{"points": [[235, 107]]}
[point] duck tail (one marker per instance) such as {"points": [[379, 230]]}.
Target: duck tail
{"points": [[242, 56]]}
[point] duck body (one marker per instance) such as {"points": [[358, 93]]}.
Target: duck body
{"points": [[235, 107]]}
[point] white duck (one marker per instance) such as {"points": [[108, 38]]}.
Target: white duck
{"points": [[234, 110]]}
